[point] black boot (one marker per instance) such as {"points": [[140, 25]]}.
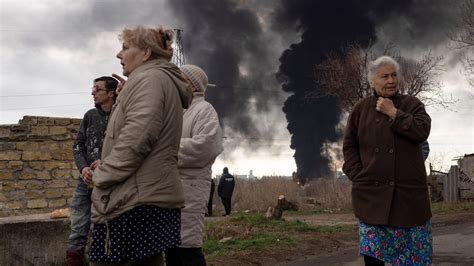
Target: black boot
{"points": [[75, 257]]}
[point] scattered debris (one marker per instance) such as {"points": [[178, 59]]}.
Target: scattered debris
{"points": [[60, 213], [282, 205], [225, 239]]}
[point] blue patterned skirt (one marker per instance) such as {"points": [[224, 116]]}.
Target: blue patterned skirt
{"points": [[139, 233], [397, 246]]}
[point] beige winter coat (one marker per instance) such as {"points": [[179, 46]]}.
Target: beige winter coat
{"points": [[139, 156], [201, 143]]}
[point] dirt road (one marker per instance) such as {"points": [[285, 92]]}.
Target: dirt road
{"points": [[453, 242]]}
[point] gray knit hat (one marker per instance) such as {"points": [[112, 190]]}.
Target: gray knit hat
{"points": [[196, 75]]}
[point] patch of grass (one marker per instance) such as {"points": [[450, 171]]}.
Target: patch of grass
{"points": [[257, 241], [320, 211], [442, 207], [252, 231], [260, 221]]}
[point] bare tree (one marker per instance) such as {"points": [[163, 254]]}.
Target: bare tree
{"points": [[463, 36], [344, 76]]}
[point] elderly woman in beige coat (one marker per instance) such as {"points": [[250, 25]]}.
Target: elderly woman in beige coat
{"points": [[138, 196], [383, 159], [201, 143]]}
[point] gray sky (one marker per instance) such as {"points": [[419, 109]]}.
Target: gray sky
{"points": [[51, 50]]}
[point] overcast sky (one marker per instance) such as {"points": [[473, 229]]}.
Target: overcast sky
{"points": [[51, 50]]}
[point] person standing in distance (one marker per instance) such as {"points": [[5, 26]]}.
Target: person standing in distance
{"points": [[225, 190]]}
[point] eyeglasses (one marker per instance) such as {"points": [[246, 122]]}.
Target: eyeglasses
{"points": [[97, 89]]}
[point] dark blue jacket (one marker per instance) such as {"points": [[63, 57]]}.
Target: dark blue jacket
{"points": [[226, 185]]}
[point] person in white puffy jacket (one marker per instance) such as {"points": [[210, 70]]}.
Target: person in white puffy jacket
{"points": [[201, 143]]}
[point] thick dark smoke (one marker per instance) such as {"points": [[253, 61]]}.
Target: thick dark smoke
{"points": [[326, 27], [227, 41]]}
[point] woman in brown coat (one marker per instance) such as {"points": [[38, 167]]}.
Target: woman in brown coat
{"points": [[383, 159]]}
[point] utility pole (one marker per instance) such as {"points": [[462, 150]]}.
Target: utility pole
{"points": [[178, 52]]}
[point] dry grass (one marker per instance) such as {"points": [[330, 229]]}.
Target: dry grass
{"points": [[258, 194], [330, 193]]}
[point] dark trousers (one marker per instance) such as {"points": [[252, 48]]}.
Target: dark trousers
{"points": [[227, 205], [371, 261], [209, 206], [177, 256]]}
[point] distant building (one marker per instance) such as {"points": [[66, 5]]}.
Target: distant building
{"points": [[466, 164], [251, 176]]}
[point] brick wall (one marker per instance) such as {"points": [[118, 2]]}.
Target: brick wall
{"points": [[37, 169]]}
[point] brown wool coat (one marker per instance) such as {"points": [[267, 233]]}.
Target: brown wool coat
{"points": [[383, 159], [140, 152]]}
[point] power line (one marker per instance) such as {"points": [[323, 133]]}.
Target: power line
{"points": [[252, 138], [42, 94], [44, 107]]}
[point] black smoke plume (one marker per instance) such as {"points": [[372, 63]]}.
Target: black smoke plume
{"points": [[227, 39]]}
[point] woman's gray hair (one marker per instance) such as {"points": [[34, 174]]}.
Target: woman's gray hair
{"points": [[377, 63]]}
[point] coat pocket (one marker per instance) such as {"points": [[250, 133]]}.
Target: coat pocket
{"points": [[100, 199]]}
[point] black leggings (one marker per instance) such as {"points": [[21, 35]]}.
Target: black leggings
{"points": [[177, 256], [371, 261]]}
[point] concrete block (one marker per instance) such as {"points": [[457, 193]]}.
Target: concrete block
{"points": [[33, 240]]}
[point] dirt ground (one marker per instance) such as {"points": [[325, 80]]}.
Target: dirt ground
{"points": [[453, 243]]}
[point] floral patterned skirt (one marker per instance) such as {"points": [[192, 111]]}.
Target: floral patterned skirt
{"points": [[397, 246]]}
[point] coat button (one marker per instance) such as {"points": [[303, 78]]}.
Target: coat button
{"points": [[391, 183], [377, 120], [377, 183], [390, 150], [376, 150], [390, 120], [104, 198]]}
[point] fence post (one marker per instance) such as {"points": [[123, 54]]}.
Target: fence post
{"points": [[451, 185]]}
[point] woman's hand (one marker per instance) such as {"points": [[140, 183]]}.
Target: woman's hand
{"points": [[121, 82], [95, 164], [386, 106]]}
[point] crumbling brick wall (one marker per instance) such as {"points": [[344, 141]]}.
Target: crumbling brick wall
{"points": [[37, 169]]}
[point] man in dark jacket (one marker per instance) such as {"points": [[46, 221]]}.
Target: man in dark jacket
{"points": [[225, 189], [87, 149]]}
